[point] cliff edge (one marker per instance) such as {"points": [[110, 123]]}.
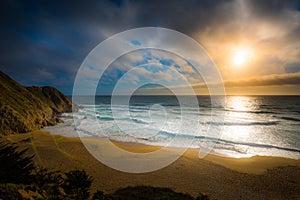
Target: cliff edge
{"points": [[26, 109]]}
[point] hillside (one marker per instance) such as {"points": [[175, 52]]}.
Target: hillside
{"points": [[26, 109]]}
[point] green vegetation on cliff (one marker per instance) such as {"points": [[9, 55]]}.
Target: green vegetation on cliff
{"points": [[26, 109]]}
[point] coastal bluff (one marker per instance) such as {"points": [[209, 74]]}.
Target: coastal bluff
{"points": [[24, 109]]}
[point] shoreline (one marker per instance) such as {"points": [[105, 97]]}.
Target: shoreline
{"points": [[218, 177], [125, 143]]}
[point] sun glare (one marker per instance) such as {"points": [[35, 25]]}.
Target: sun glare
{"points": [[241, 57]]}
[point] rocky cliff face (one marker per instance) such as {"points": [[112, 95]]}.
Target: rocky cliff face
{"points": [[26, 109]]}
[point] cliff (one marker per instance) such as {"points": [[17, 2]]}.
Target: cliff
{"points": [[26, 109]]}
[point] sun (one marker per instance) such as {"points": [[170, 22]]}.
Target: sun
{"points": [[241, 56]]}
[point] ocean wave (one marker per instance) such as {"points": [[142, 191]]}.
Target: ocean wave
{"points": [[267, 146], [295, 125], [163, 138], [105, 118], [143, 108], [268, 123], [139, 121], [252, 111], [224, 143], [136, 111], [291, 119]]}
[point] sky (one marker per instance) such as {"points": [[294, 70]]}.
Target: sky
{"points": [[254, 44]]}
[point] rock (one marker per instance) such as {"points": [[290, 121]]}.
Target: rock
{"points": [[26, 109]]}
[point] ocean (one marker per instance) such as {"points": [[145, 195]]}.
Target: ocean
{"points": [[250, 126]]}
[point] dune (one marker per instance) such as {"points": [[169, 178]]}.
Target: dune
{"points": [[218, 177]]}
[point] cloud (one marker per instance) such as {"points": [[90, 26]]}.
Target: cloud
{"points": [[257, 85], [292, 67], [274, 79], [54, 37], [267, 80]]}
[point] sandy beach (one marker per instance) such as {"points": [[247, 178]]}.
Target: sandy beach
{"points": [[218, 177]]}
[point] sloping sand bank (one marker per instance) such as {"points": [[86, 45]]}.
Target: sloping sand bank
{"points": [[218, 177]]}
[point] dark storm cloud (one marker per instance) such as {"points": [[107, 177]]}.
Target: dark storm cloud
{"points": [[44, 42], [268, 80], [278, 13], [272, 9]]}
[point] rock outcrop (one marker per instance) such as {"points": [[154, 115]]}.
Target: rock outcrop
{"points": [[26, 109]]}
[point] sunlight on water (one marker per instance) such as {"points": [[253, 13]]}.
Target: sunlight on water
{"points": [[239, 107]]}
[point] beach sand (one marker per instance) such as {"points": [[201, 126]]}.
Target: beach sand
{"points": [[218, 177]]}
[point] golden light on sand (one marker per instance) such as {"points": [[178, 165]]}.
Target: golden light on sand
{"points": [[241, 56]]}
